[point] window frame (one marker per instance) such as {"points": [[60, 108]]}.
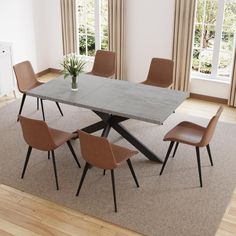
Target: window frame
{"points": [[216, 50], [97, 28]]}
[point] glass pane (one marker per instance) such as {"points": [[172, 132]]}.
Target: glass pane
{"points": [[206, 61], [208, 37], [104, 30], [104, 12], [196, 61], [200, 11], [82, 44], [197, 35], [81, 29], [227, 39], [91, 45], [90, 6], [230, 14], [224, 68], [104, 43], [104, 25], [211, 11], [91, 20]]}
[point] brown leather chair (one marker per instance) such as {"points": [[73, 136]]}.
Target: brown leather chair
{"points": [[194, 135], [98, 152], [26, 80], [104, 64], [160, 73], [39, 136]]}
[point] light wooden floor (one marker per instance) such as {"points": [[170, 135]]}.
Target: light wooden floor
{"points": [[24, 214], [228, 224]]}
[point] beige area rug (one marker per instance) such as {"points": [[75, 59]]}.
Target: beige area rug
{"points": [[170, 205]]}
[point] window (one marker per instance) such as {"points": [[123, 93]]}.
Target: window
{"points": [[214, 39], [92, 22]]}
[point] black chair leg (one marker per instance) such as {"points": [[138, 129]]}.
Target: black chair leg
{"points": [[48, 155], [37, 103], [176, 147], [26, 161], [41, 100], [113, 188], [55, 169], [132, 171], [59, 108], [86, 167], [209, 153], [73, 153], [104, 172], [167, 156], [199, 165], [21, 105]]}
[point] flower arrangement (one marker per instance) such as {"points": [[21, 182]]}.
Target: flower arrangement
{"points": [[72, 66]]}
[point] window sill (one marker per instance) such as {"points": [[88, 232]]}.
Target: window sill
{"points": [[86, 58], [210, 80]]}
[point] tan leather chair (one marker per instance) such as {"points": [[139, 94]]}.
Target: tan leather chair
{"points": [[98, 152], [39, 136], [160, 73], [26, 80], [194, 135], [104, 64]]}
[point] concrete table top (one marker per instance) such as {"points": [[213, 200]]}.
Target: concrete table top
{"points": [[122, 98]]}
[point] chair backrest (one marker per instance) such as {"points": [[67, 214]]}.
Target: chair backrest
{"points": [[160, 72], [211, 128], [37, 134], [97, 151], [25, 76], [104, 63]]}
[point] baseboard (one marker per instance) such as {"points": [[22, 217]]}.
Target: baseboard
{"points": [[49, 70], [209, 98], [41, 73], [57, 71]]}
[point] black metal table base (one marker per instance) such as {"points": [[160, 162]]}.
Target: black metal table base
{"points": [[111, 121]]}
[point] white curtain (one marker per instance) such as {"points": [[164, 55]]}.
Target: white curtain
{"points": [[116, 34], [68, 18], [182, 45]]}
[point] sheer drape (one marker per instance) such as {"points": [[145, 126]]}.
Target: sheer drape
{"points": [[182, 45], [116, 34], [232, 95], [68, 18]]}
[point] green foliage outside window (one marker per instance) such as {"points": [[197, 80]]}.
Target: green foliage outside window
{"points": [[204, 36], [86, 22]]}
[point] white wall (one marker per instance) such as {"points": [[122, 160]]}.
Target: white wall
{"points": [[34, 29], [210, 88], [148, 33], [17, 27], [48, 33]]}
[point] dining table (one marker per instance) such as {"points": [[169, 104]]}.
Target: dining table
{"points": [[115, 101]]}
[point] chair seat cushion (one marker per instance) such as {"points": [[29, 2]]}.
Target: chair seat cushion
{"points": [[186, 132], [121, 153], [31, 86], [60, 137]]}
